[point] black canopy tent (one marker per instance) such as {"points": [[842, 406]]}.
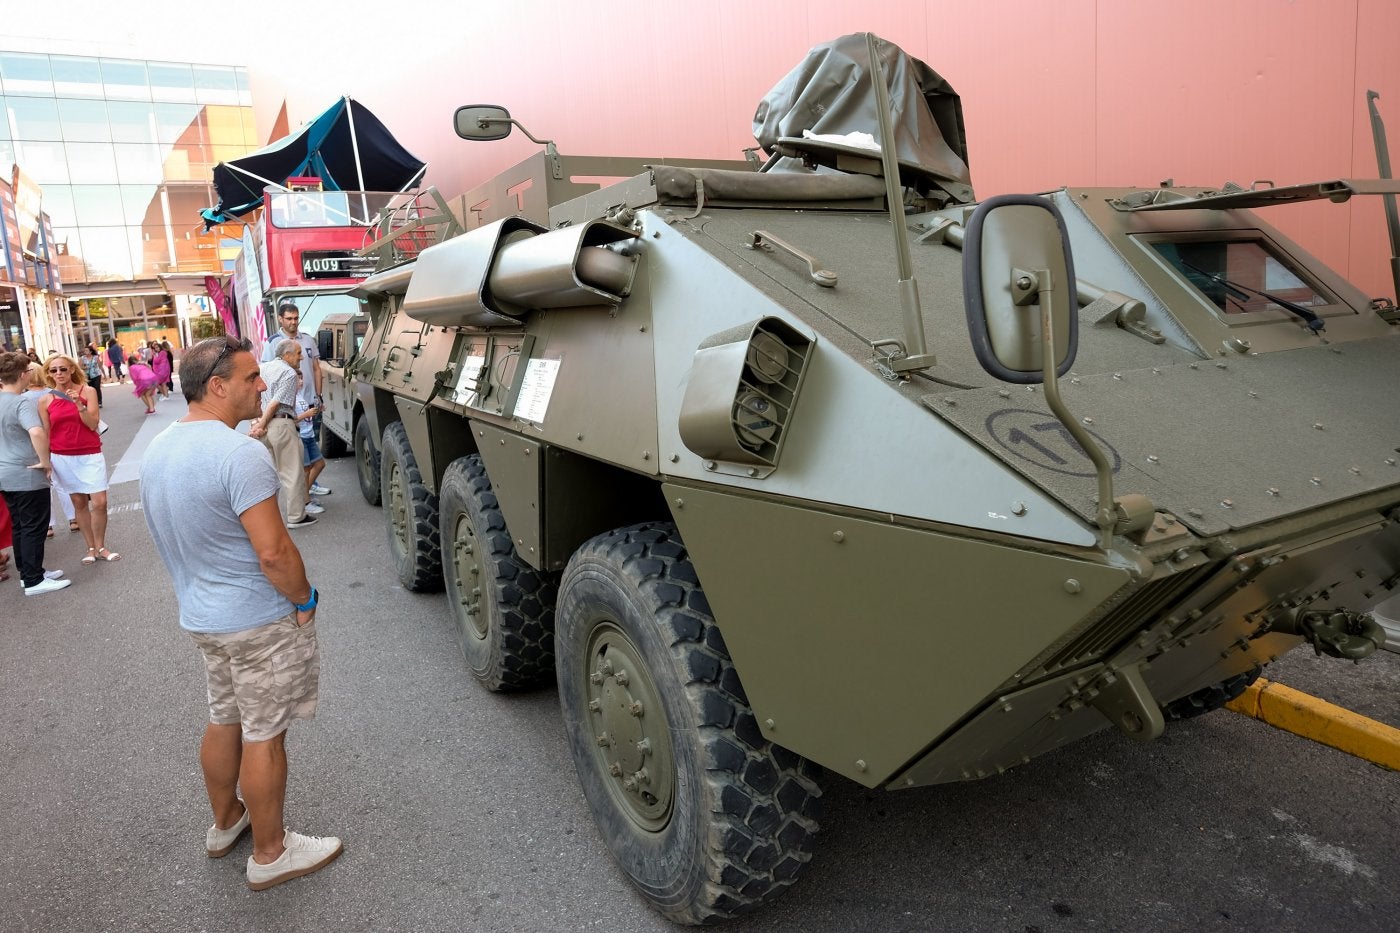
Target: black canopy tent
{"points": [[347, 147]]}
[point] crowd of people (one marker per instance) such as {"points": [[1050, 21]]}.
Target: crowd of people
{"points": [[239, 580], [50, 447]]}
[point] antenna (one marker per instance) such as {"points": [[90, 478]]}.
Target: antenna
{"points": [[1392, 218], [916, 356]]}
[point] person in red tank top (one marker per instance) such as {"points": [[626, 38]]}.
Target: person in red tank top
{"points": [[70, 416]]}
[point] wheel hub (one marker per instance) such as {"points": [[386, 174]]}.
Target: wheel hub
{"points": [[633, 737], [398, 509], [467, 572]]}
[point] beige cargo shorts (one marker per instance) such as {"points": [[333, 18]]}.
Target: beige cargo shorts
{"points": [[262, 678]]}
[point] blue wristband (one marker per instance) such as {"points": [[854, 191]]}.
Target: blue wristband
{"points": [[309, 604]]}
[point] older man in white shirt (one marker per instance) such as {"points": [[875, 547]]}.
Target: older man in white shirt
{"points": [[277, 428]]}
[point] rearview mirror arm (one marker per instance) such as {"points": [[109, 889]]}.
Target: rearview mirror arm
{"points": [[556, 168], [1036, 286]]}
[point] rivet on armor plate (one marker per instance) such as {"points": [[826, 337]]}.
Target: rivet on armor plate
{"points": [[1153, 458], [1072, 586], [1316, 480], [680, 503], [1018, 508], [1317, 425], [1227, 503], [1356, 471], [1087, 420], [860, 764], [769, 724], [838, 536], [1273, 490], [1195, 513], [1003, 393]]}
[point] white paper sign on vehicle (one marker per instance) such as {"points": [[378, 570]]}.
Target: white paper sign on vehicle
{"points": [[536, 390]]}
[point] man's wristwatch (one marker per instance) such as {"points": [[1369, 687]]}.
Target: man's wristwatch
{"points": [[309, 604]]}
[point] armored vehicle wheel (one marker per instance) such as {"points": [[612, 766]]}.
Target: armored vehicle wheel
{"points": [[1209, 699], [707, 818], [503, 607], [411, 515], [367, 463], [332, 447]]}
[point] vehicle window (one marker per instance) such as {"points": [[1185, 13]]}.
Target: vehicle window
{"points": [[359, 329], [1240, 276]]}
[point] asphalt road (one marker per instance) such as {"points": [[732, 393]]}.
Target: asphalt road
{"points": [[460, 811]]}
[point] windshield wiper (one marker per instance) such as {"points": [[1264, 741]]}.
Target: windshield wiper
{"points": [[1315, 323]]}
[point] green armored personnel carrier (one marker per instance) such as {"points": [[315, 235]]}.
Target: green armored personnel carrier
{"points": [[822, 462]]}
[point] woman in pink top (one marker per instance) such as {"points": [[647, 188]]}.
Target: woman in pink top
{"points": [[161, 365], [143, 379], [70, 417]]}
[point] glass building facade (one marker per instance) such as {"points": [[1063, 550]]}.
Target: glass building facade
{"points": [[122, 151]]}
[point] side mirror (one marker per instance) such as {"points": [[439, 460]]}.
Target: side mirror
{"points": [[325, 344], [1016, 263], [482, 122]]}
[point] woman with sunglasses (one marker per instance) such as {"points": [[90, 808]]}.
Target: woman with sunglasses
{"points": [[70, 416]]}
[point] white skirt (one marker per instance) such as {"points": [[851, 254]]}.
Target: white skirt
{"points": [[83, 473]]}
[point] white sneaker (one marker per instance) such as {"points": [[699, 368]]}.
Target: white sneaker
{"points": [[48, 575], [314, 508], [303, 855], [46, 586], [219, 842], [318, 490]]}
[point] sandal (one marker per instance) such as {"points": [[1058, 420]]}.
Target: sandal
{"points": [[73, 525], [91, 557], [107, 555]]}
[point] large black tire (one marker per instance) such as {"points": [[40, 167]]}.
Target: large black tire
{"points": [[411, 515], [1209, 699], [332, 447], [503, 607], [705, 816], [367, 463]]}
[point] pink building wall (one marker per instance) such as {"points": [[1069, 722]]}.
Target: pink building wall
{"points": [[1080, 92]]}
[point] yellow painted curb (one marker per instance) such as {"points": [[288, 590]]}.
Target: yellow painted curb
{"points": [[1306, 715]]}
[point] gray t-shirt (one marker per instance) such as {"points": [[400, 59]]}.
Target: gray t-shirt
{"points": [[197, 478], [19, 413]]}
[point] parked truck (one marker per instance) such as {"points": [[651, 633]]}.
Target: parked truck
{"points": [[831, 464]]}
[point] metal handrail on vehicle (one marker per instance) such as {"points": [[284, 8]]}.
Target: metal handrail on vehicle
{"points": [[398, 234]]}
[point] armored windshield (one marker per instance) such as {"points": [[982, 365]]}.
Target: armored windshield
{"points": [[1241, 276]]}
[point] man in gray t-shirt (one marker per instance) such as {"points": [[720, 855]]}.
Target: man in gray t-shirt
{"points": [[210, 499]]}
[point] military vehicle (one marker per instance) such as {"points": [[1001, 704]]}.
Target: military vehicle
{"points": [[824, 464], [338, 340]]}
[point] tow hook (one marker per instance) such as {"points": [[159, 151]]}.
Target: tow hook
{"points": [[1336, 633]]}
